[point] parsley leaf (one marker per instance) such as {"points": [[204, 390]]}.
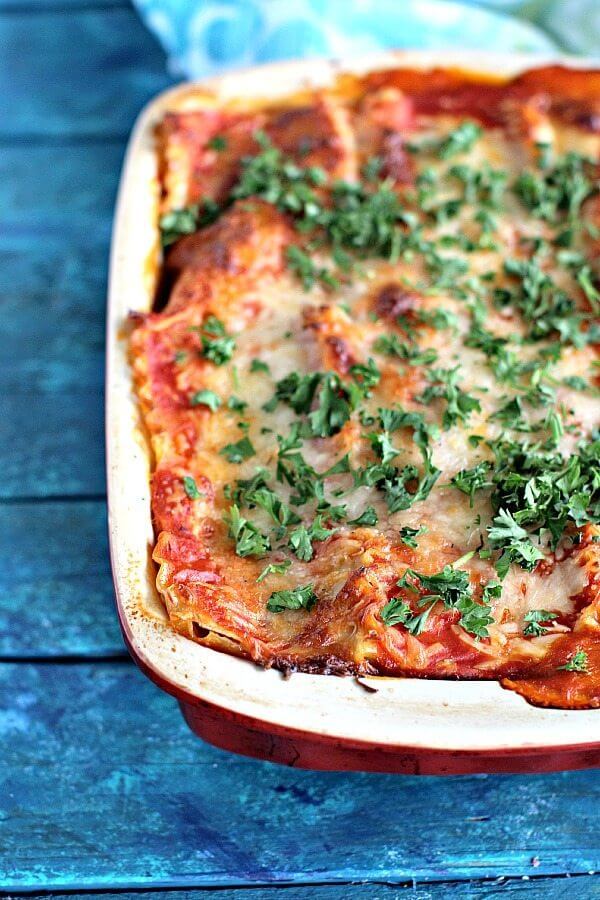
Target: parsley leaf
{"points": [[217, 345], [396, 612], [535, 622], [268, 500], [298, 390], [178, 222], [578, 662], [306, 269], [461, 140], [274, 569], [249, 541], [235, 404], [298, 598], [367, 375], [191, 488], [471, 480], [459, 404], [391, 345], [557, 191], [514, 541], [409, 535], [218, 143], [452, 587], [542, 492], [238, 452], [336, 402], [257, 365], [206, 398], [301, 538], [367, 518]]}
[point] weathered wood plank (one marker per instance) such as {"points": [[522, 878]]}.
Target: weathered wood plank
{"points": [[56, 207], [584, 887], [59, 189], [52, 302], [56, 594], [97, 69], [103, 786], [52, 445]]}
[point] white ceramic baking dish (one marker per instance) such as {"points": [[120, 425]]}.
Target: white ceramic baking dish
{"points": [[382, 724]]}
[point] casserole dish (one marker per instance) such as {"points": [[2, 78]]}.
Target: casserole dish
{"points": [[383, 724]]}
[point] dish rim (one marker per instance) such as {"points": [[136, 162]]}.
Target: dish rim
{"points": [[433, 720]]}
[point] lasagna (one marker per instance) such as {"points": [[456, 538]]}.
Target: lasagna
{"points": [[370, 379]]}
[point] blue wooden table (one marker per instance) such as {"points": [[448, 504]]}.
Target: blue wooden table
{"points": [[102, 787]]}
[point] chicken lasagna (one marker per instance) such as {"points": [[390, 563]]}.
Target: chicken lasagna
{"points": [[370, 380]]}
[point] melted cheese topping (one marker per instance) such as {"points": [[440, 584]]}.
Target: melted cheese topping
{"points": [[234, 280]]}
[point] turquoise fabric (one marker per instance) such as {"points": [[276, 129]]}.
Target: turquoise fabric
{"points": [[206, 36]]}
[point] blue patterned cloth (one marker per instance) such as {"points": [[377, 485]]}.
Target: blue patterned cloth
{"points": [[206, 36]]}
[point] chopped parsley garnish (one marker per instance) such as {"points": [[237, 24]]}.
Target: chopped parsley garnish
{"points": [[217, 345], [474, 479], [538, 621], [218, 143], [298, 598], [266, 499], [336, 402], [540, 492], [511, 415], [552, 193], [280, 181], [297, 391], [257, 365], [545, 307], [397, 612], [301, 538], [400, 487], [367, 518], [578, 662], [459, 404], [514, 541], [305, 268], [206, 398], [191, 488], [366, 375], [391, 345], [235, 404], [438, 318], [179, 222], [249, 540], [451, 587], [409, 535], [238, 452], [274, 569], [461, 140], [537, 494]]}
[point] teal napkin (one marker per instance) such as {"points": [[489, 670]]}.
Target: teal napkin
{"points": [[202, 37]]}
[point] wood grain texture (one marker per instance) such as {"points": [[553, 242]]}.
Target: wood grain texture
{"points": [[56, 207], [56, 593], [43, 451], [76, 72], [499, 889], [102, 786]]}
